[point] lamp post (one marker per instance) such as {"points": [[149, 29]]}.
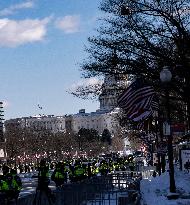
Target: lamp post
{"points": [[165, 77]]}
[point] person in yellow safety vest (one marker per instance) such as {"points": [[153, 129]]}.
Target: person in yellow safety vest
{"points": [[104, 168], [3, 186], [44, 179], [79, 172], [16, 177], [16, 180], [89, 170], [71, 171], [12, 186], [43, 175], [121, 164], [116, 166], [95, 169], [111, 166], [59, 175], [5, 169], [131, 165], [3, 190]]}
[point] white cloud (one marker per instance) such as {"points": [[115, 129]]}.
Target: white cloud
{"points": [[69, 24], [14, 33], [12, 9], [86, 82]]}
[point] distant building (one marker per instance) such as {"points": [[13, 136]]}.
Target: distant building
{"points": [[2, 140], [95, 120], [68, 123], [38, 123], [1, 122], [106, 116], [110, 91], [103, 118]]}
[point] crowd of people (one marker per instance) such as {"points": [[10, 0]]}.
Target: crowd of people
{"points": [[10, 184], [69, 170]]}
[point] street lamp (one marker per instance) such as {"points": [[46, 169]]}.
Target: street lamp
{"points": [[165, 77]]}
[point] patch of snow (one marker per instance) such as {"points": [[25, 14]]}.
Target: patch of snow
{"points": [[155, 190]]}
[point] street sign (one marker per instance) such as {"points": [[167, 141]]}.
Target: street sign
{"points": [[166, 128], [185, 158]]}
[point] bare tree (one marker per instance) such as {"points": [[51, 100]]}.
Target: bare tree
{"points": [[118, 141], [138, 38]]}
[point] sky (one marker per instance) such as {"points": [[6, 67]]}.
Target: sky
{"points": [[41, 48]]}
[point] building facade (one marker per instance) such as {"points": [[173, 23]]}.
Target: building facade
{"points": [[2, 140], [103, 118], [50, 123], [111, 89], [1, 122], [95, 120], [106, 116]]}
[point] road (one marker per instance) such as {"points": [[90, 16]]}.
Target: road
{"points": [[29, 184], [103, 190], [97, 193]]}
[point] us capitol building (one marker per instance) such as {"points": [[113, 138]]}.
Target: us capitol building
{"points": [[103, 118]]}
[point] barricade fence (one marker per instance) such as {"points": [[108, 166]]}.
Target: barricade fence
{"points": [[118, 188], [115, 188]]}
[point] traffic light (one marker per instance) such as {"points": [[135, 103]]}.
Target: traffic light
{"points": [[1, 122]]}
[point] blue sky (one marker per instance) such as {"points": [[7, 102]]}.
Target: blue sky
{"points": [[41, 47]]}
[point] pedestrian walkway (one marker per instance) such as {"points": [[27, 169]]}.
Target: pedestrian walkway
{"points": [[155, 190]]}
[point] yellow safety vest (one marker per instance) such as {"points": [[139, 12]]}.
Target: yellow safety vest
{"points": [[4, 186], [59, 175], [79, 171]]}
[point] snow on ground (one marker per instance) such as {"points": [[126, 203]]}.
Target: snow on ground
{"points": [[155, 190]]}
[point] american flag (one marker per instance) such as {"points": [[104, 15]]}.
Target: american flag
{"points": [[155, 103], [136, 101], [140, 125]]}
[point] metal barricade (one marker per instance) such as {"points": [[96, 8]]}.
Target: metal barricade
{"points": [[115, 188], [147, 172]]}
